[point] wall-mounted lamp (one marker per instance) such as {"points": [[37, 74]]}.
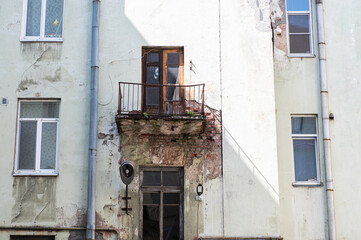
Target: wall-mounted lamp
{"points": [[199, 192], [126, 170], [331, 116], [199, 189]]}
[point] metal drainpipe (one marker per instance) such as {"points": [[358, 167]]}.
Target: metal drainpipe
{"points": [[325, 121], [90, 233]]}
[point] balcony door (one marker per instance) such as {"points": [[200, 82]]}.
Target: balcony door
{"points": [[162, 75]]}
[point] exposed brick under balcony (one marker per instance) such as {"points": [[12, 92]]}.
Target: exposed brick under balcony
{"points": [[161, 109]]}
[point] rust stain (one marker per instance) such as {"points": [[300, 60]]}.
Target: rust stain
{"points": [[99, 220], [76, 235]]}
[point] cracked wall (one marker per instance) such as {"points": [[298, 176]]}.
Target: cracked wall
{"points": [[62, 70], [198, 153], [46, 70], [34, 200]]}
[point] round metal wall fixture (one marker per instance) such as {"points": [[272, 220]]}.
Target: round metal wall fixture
{"points": [[126, 170], [331, 116]]}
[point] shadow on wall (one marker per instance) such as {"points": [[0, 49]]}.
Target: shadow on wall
{"points": [[251, 201], [120, 51]]}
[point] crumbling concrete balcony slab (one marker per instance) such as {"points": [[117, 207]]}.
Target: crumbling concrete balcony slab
{"points": [[160, 125]]}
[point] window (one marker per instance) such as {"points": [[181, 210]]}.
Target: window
{"points": [[162, 203], [299, 28], [42, 20], [161, 78], [37, 138], [32, 237], [305, 149]]}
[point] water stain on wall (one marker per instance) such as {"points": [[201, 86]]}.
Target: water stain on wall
{"points": [[34, 200]]}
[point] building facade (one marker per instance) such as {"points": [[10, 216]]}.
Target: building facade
{"points": [[213, 119]]}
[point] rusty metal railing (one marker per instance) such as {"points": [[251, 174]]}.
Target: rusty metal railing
{"points": [[162, 100]]}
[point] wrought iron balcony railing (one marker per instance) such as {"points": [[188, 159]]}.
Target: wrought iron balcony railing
{"points": [[161, 100]]}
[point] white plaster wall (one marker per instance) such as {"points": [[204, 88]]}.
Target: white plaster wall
{"points": [[251, 196], [39, 62], [343, 37], [127, 26], [303, 213]]}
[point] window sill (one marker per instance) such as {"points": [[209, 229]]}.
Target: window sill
{"points": [[307, 184], [40, 174], [301, 55], [41, 40]]}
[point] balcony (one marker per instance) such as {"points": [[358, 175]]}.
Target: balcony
{"points": [[161, 109]]}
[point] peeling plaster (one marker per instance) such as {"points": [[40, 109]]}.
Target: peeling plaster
{"points": [[199, 153], [71, 215], [278, 17], [278, 12], [77, 235], [262, 14], [194, 173], [45, 69], [280, 38], [25, 84], [34, 200]]}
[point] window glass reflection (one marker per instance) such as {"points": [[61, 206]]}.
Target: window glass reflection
{"points": [[151, 178], [298, 5]]}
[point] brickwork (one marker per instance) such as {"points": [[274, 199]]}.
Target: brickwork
{"points": [[179, 149]]}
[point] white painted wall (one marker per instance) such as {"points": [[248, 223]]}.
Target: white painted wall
{"points": [[256, 186], [343, 37], [189, 24], [24, 62], [251, 196], [303, 209]]}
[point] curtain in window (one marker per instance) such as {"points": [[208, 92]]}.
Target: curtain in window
{"points": [[54, 19], [33, 18]]}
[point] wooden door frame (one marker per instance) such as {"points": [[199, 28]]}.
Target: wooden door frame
{"points": [[163, 72]]}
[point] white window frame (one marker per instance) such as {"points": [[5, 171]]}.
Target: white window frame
{"points": [[309, 14], [42, 37], [314, 137], [40, 121]]}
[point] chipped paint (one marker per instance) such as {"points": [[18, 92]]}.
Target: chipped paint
{"points": [[261, 14], [34, 200], [278, 12], [280, 38], [198, 153], [45, 67]]}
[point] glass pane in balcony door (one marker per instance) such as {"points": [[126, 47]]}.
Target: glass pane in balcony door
{"points": [[153, 75], [172, 78], [152, 57], [173, 58]]}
